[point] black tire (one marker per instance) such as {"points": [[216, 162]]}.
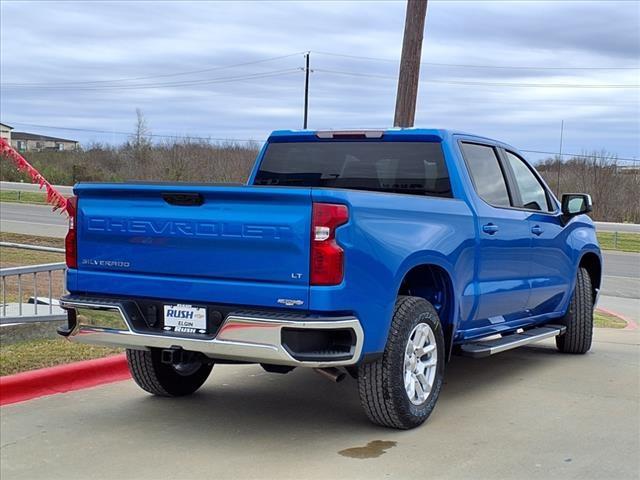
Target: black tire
{"points": [[579, 318], [164, 379], [381, 382]]}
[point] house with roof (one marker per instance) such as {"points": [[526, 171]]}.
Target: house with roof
{"points": [[5, 131], [30, 142]]}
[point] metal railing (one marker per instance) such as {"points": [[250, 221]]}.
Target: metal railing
{"points": [[22, 279], [40, 248]]}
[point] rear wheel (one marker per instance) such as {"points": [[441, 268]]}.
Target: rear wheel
{"points": [[579, 318], [400, 389], [172, 379]]}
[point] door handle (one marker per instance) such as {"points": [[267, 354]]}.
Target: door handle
{"points": [[537, 230], [490, 228]]}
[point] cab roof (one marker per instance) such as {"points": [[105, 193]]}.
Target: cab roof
{"points": [[388, 134]]}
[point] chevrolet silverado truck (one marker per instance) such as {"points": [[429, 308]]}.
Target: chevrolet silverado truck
{"points": [[373, 253]]}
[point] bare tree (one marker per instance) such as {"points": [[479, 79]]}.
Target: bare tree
{"points": [[140, 146], [185, 160], [613, 187], [141, 138]]}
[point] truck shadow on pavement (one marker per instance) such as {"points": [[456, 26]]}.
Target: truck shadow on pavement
{"points": [[242, 400]]}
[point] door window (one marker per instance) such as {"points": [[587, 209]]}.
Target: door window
{"points": [[532, 193], [486, 174]]}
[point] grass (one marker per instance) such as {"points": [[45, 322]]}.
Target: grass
{"points": [[34, 354], [626, 242], [15, 257], [31, 239], [606, 320], [23, 197]]}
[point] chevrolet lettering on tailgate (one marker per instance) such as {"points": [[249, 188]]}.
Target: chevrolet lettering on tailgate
{"points": [[187, 228]]}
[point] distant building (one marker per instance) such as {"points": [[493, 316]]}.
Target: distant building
{"points": [[5, 132], [30, 142]]}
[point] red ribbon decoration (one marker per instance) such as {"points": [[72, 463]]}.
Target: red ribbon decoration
{"points": [[54, 197]]}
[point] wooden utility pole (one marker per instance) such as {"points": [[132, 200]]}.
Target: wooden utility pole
{"points": [[306, 90], [410, 63]]}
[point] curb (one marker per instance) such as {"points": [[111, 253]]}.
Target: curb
{"points": [[631, 325], [62, 378]]}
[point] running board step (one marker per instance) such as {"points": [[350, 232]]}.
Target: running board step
{"points": [[485, 348]]}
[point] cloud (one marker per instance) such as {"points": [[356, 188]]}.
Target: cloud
{"points": [[55, 43]]}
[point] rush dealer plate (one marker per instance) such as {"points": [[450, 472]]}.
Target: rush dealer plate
{"points": [[185, 319]]}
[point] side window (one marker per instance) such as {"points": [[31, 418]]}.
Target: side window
{"points": [[532, 192], [486, 174]]}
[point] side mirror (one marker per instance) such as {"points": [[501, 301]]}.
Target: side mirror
{"points": [[576, 204]]}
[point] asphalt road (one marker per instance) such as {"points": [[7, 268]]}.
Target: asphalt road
{"points": [[67, 190], [43, 222], [621, 274], [618, 227], [31, 187], [622, 270], [13, 215], [32, 220], [530, 413], [629, 308]]}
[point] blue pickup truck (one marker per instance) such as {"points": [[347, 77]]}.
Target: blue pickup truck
{"points": [[377, 254]]}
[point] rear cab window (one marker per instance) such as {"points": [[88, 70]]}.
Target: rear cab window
{"points": [[415, 168]]}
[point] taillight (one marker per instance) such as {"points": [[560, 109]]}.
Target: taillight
{"points": [[71, 240], [327, 258]]}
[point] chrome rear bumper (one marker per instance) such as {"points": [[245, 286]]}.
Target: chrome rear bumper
{"points": [[243, 336]]}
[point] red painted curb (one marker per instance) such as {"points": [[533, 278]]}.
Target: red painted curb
{"points": [[62, 378]]}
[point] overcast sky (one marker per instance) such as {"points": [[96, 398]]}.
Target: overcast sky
{"points": [[508, 70]]}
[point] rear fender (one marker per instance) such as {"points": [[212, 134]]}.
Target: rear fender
{"points": [[424, 259]]}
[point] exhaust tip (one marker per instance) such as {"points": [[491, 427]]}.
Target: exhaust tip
{"points": [[331, 373]]}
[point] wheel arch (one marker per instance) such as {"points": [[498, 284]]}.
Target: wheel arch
{"points": [[592, 263], [433, 283]]}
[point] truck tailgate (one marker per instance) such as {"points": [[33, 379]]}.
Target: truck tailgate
{"points": [[227, 242]]}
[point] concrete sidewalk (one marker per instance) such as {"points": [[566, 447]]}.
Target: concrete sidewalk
{"points": [[527, 413], [627, 307]]}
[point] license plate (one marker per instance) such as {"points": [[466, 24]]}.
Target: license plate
{"points": [[185, 319]]}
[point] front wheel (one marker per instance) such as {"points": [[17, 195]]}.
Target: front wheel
{"points": [[167, 379], [400, 389], [579, 318]]}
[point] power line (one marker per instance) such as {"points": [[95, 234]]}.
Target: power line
{"points": [[461, 65], [579, 155], [491, 84], [287, 71], [114, 132], [465, 82], [190, 72], [279, 57], [236, 78], [113, 84]]}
